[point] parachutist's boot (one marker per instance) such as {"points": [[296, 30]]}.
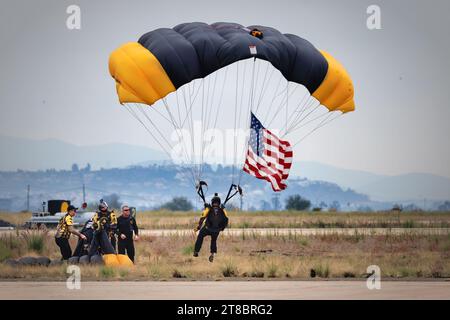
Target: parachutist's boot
{"points": [[211, 257], [195, 254]]}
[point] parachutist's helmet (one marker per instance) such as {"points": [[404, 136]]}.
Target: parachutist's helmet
{"points": [[215, 199], [103, 205]]}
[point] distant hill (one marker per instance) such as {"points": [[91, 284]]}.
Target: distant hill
{"points": [[407, 187], [151, 186], [27, 154]]}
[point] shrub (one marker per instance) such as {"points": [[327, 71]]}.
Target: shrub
{"points": [[5, 252], [107, 272], [296, 202], [409, 224], [35, 241], [188, 250], [348, 274], [229, 269], [178, 204], [273, 270], [320, 271], [177, 274]]}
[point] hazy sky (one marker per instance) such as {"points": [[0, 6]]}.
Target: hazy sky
{"points": [[55, 82]]}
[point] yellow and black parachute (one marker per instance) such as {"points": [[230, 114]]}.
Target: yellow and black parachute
{"points": [[220, 73], [165, 59]]}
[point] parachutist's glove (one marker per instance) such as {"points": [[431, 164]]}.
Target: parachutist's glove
{"points": [[207, 205], [222, 206]]}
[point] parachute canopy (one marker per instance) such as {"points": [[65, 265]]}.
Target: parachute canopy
{"points": [[202, 81], [165, 59]]}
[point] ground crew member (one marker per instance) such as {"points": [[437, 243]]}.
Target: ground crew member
{"points": [[216, 220], [64, 230], [126, 226]]}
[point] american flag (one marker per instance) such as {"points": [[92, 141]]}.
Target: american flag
{"points": [[268, 157]]}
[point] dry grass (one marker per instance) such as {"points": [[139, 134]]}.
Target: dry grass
{"points": [[295, 257], [299, 219], [162, 219]]}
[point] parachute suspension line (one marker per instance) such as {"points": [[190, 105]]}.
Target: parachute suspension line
{"points": [[208, 114], [241, 107], [178, 107], [158, 112], [235, 125], [202, 111], [151, 122], [302, 125], [213, 98], [298, 113], [310, 105], [287, 106], [191, 166], [191, 103], [282, 103], [320, 125], [250, 109], [255, 86], [203, 125], [263, 90], [275, 95], [133, 113], [189, 116], [221, 98], [186, 110], [180, 126]]}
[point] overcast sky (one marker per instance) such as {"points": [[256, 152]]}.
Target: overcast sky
{"points": [[55, 82]]}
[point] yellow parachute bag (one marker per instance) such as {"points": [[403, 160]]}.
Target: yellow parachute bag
{"points": [[124, 260], [111, 260]]}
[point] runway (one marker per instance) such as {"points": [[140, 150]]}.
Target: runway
{"points": [[227, 290]]}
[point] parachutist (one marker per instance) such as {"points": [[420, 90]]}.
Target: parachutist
{"points": [[104, 224], [215, 220]]}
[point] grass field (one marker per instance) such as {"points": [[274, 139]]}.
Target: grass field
{"points": [[283, 219], [251, 257]]}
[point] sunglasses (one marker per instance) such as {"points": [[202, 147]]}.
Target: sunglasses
{"points": [[125, 209]]}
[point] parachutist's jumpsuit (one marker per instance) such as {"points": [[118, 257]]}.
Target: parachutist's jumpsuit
{"points": [[126, 226], [104, 224], [216, 221], [83, 245]]}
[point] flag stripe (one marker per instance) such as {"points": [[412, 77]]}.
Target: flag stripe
{"points": [[268, 157]]}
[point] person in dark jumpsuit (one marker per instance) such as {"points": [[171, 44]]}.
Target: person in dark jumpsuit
{"points": [[214, 219], [82, 247], [126, 226], [104, 225]]}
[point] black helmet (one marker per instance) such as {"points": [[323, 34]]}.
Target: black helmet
{"points": [[215, 199], [102, 205]]}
